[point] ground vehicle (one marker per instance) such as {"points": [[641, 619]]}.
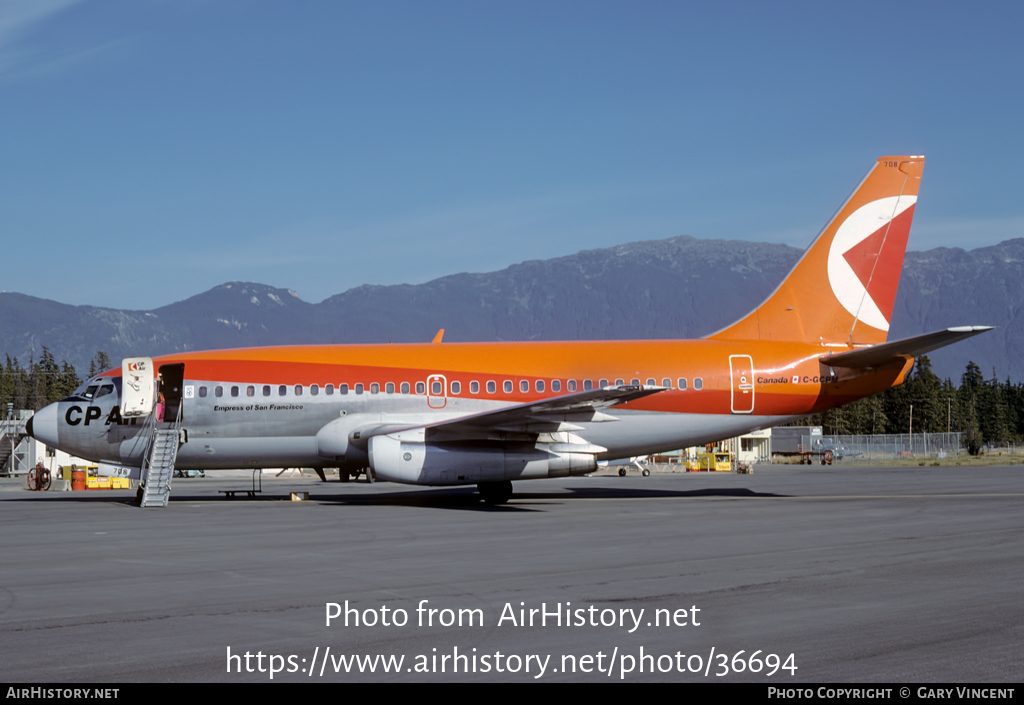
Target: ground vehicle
{"points": [[807, 443], [712, 461], [189, 473]]}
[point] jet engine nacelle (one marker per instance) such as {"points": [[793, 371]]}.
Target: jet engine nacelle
{"points": [[418, 463]]}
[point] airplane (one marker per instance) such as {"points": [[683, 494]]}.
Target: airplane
{"points": [[487, 414]]}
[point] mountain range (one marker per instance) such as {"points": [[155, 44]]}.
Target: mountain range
{"points": [[681, 287]]}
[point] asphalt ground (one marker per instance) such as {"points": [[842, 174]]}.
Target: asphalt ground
{"points": [[863, 574]]}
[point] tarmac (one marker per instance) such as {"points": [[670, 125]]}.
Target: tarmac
{"points": [[835, 574]]}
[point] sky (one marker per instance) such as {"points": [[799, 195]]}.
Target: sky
{"points": [[151, 150]]}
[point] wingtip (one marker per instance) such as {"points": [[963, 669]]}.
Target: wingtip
{"points": [[970, 329]]}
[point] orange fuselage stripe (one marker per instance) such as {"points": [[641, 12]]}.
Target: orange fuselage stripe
{"points": [[787, 377]]}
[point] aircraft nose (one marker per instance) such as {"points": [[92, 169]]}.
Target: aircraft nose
{"points": [[43, 425]]}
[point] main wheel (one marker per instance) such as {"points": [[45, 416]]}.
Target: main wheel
{"points": [[495, 492], [622, 472]]}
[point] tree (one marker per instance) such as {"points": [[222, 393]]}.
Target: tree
{"points": [[99, 363]]}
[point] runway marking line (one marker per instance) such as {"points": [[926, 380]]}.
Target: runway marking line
{"points": [[712, 497]]}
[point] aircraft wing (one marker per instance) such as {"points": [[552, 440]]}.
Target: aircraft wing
{"points": [[901, 350], [581, 406], [556, 414]]}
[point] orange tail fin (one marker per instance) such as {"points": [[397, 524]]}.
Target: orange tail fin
{"points": [[843, 289]]}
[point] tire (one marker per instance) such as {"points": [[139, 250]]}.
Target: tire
{"points": [[495, 492], [622, 472], [44, 480], [646, 472]]}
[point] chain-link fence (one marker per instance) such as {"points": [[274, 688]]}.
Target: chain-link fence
{"points": [[896, 446]]}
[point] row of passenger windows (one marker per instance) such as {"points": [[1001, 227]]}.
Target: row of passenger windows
{"points": [[437, 387]]}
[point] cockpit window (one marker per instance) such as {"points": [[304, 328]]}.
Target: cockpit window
{"points": [[96, 387]]}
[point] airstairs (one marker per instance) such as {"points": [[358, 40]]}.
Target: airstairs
{"points": [[159, 466], [12, 432]]}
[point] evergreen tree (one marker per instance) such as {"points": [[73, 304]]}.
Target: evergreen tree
{"points": [[967, 397], [992, 411], [67, 381], [99, 363], [923, 392]]}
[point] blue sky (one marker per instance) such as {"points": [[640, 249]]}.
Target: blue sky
{"points": [[152, 150]]}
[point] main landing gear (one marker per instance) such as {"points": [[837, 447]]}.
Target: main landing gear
{"points": [[495, 492]]}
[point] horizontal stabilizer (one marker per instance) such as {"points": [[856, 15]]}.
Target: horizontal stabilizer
{"points": [[901, 350]]}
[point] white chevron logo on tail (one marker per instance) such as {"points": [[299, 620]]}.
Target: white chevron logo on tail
{"points": [[856, 271]]}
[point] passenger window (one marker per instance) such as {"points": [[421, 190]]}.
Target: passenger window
{"points": [[651, 383], [456, 387], [587, 385], [539, 386], [298, 390], [202, 392], [314, 389], [635, 382], [359, 388], [329, 390], [507, 386], [698, 383], [571, 385], [343, 388], [421, 388], [474, 387], [234, 391], [524, 386], [666, 383], [682, 383], [374, 388], [218, 392], [556, 386], [266, 390], [603, 383], [491, 387], [618, 383], [282, 390], [435, 388], [250, 391], [405, 387], [389, 387]]}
